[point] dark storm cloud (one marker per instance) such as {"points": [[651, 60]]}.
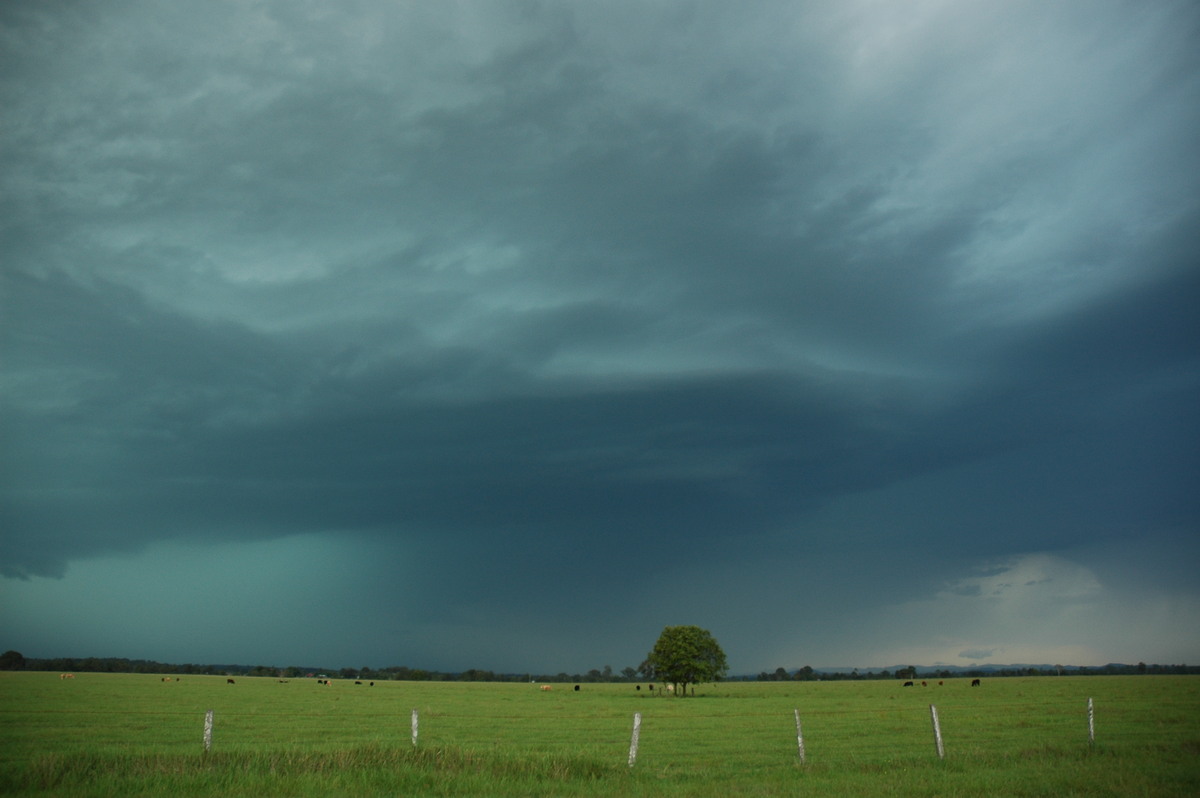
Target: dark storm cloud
{"points": [[204, 425], [514, 290], [187, 428]]}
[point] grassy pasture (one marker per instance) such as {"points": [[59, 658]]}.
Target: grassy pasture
{"points": [[119, 734]]}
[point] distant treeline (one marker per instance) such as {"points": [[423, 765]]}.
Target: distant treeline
{"points": [[14, 661]]}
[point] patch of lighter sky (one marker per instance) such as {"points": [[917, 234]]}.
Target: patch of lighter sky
{"points": [[954, 653], [729, 347], [977, 120], [453, 272], [270, 266], [1028, 579], [885, 36], [475, 258], [1091, 171], [1034, 608]]}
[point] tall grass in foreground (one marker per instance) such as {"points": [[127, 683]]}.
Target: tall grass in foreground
{"points": [[358, 771], [369, 771]]}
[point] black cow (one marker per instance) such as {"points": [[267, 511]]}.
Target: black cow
{"points": [[229, 681], [908, 684], [974, 682]]}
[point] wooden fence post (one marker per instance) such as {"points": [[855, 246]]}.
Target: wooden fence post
{"points": [[1091, 724], [937, 732], [633, 742], [799, 738], [208, 724], [414, 728]]}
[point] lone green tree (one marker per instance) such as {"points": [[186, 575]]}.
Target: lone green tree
{"points": [[686, 655]]}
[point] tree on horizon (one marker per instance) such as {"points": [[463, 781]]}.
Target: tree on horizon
{"points": [[686, 655]]}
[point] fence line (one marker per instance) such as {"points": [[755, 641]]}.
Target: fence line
{"points": [[830, 734], [761, 734]]}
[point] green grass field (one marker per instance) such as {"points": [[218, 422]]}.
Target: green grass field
{"points": [[128, 735]]}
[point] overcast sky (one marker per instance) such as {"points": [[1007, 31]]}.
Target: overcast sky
{"points": [[502, 334]]}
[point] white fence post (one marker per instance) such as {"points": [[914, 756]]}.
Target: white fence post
{"points": [[1091, 724], [208, 724], [799, 738], [414, 728], [937, 732], [633, 742]]}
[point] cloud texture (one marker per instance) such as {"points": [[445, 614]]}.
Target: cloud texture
{"points": [[503, 334]]}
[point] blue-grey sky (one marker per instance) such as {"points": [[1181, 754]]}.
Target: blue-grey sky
{"points": [[502, 334]]}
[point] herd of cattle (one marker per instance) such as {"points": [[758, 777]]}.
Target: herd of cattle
{"points": [[545, 688], [974, 683]]}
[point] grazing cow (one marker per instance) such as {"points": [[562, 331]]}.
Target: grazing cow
{"points": [[372, 684], [940, 682], [924, 684], [639, 687], [545, 688], [974, 682], [357, 682], [908, 684], [670, 688], [229, 681], [66, 676], [577, 688]]}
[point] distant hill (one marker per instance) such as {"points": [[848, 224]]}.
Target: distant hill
{"points": [[832, 673]]}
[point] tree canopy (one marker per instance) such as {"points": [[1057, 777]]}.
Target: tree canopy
{"points": [[686, 655]]}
